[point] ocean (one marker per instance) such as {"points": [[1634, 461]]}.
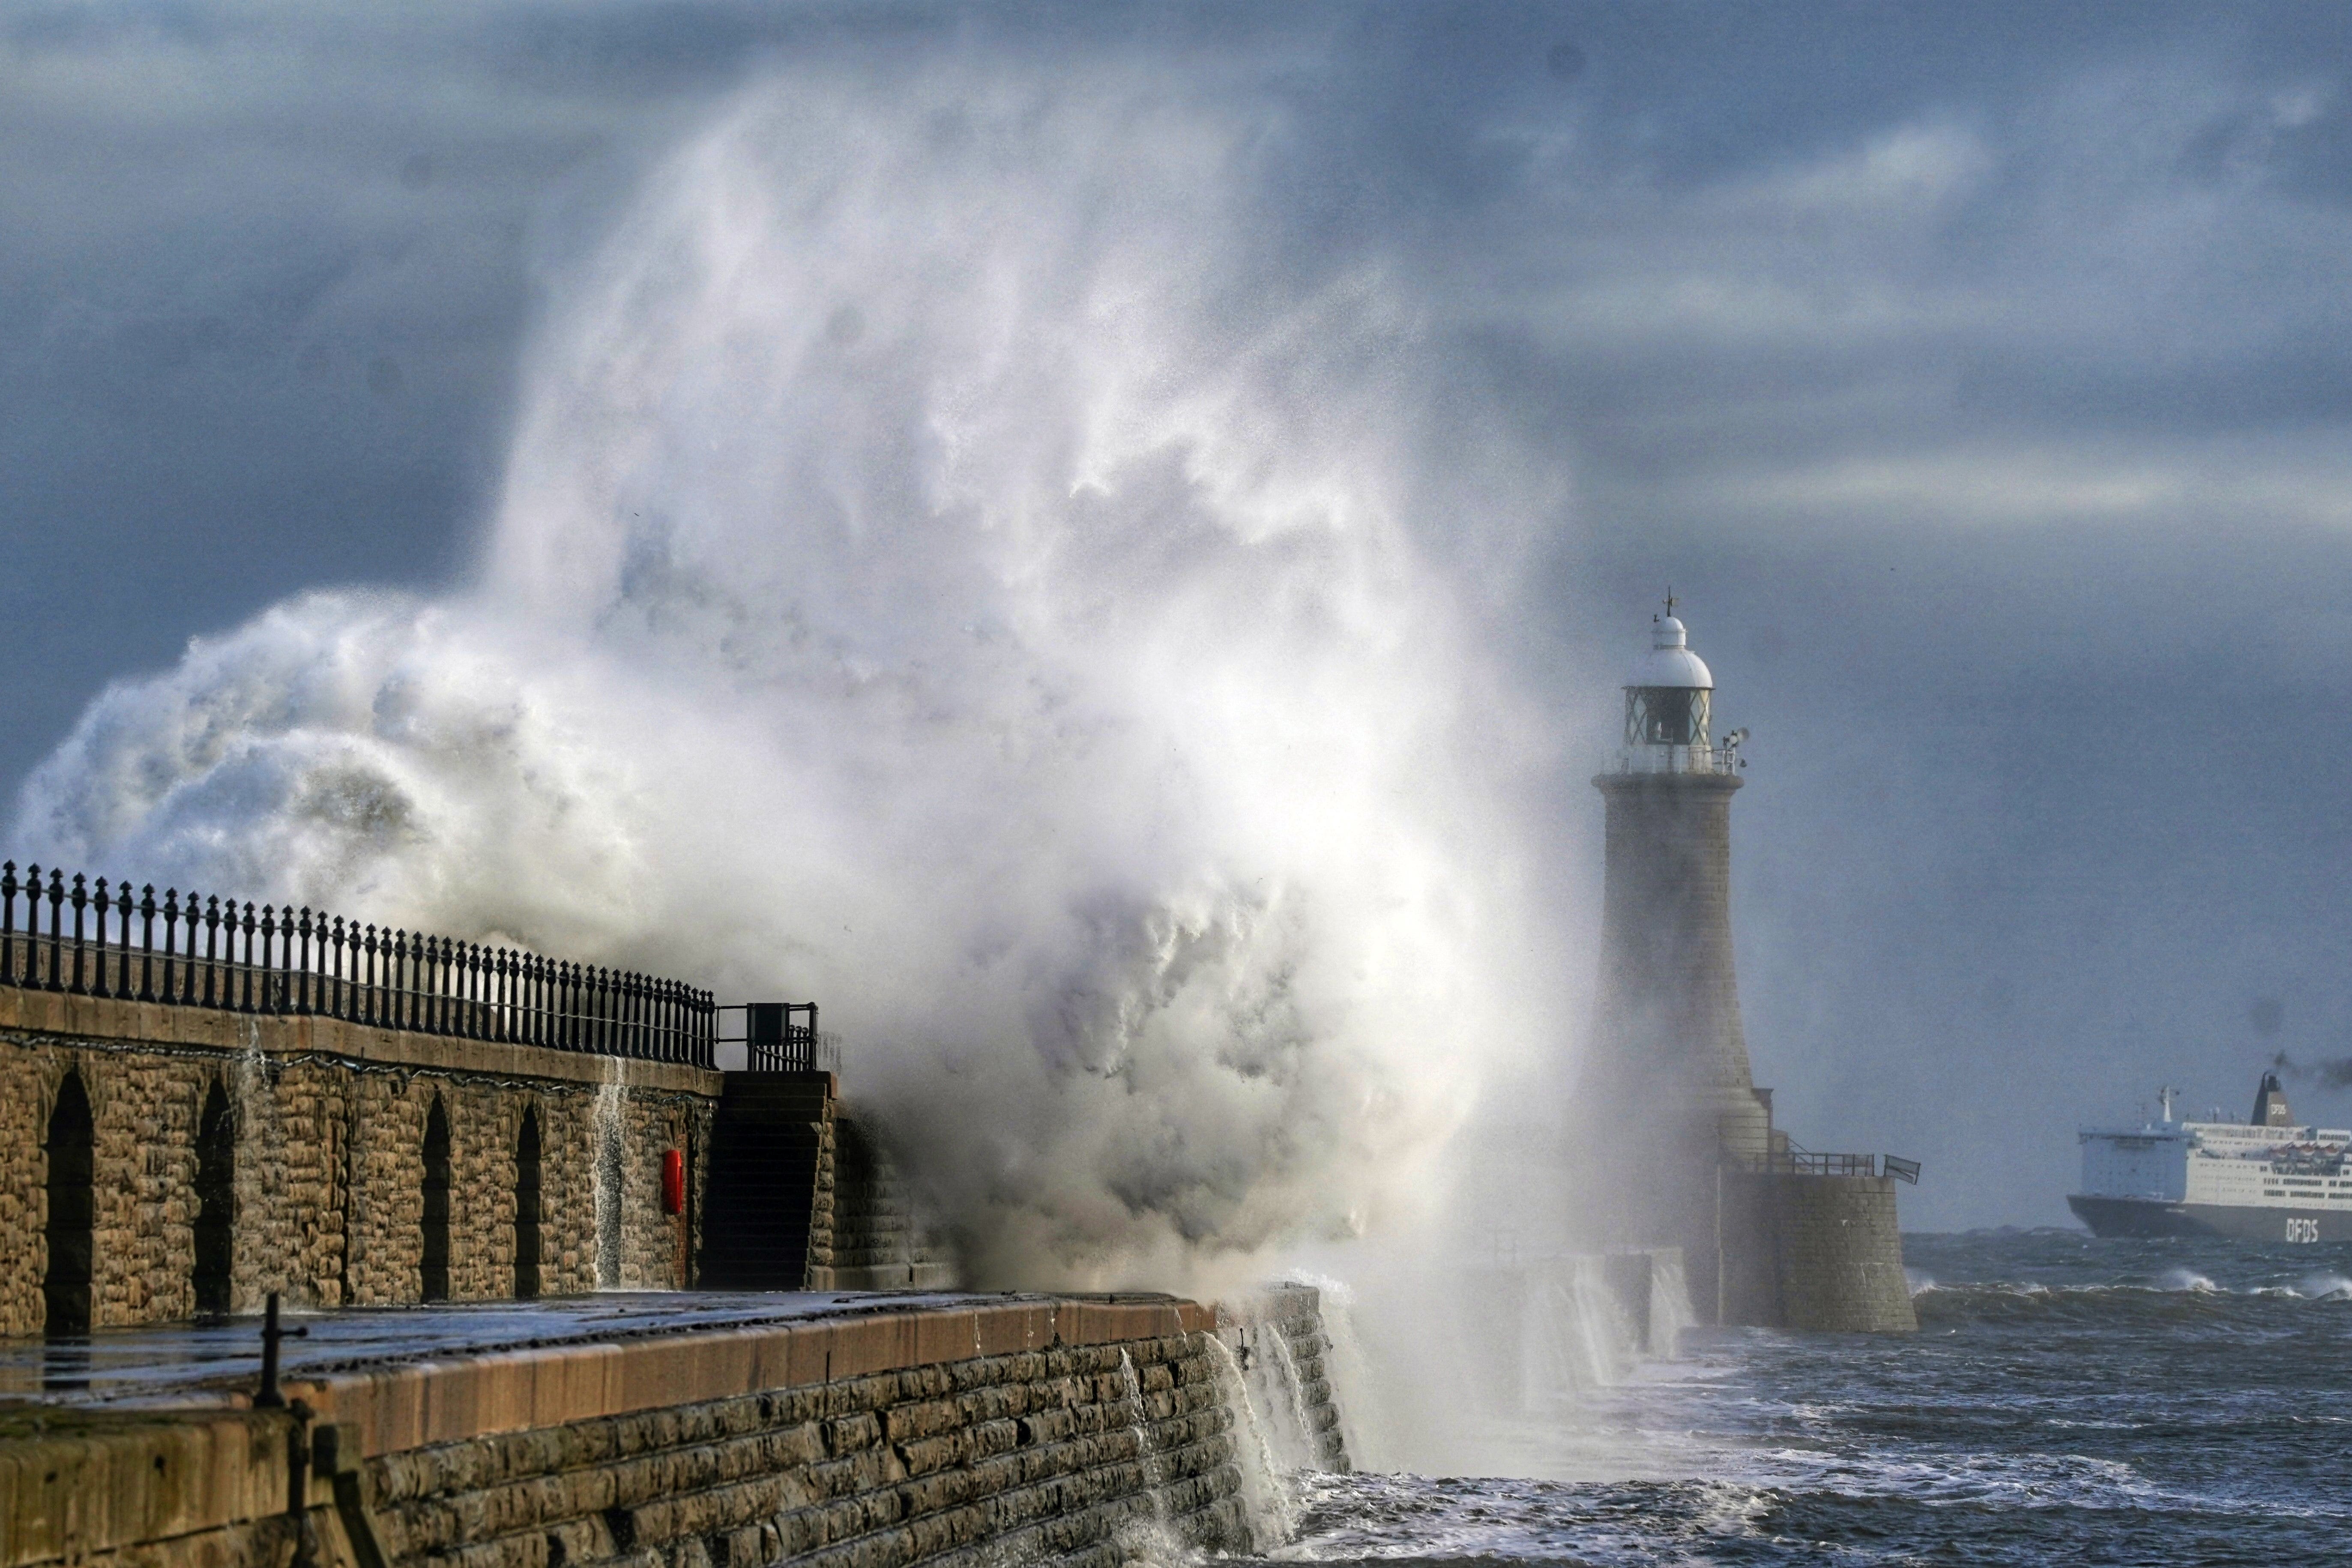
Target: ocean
{"points": [[2067, 1400]]}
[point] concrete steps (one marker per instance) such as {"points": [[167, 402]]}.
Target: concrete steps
{"points": [[771, 1145]]}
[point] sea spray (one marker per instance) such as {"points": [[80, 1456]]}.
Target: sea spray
{"points": [[1271, 1371], [248, 1079], [972, 552], [1575, 1336], [1552, 1346], [1671, 1312], [1268, 1495], [257, 1127], [2325, 1287]]}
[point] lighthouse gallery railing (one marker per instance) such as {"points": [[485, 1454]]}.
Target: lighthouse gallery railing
{"points": [[192, 951], [1648, 759], [1795, 1162]]}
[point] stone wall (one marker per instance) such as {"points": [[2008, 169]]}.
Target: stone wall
{"points": [[1052, 1453], [329, 1125], [1839, 1255], [25, 1104], [876, 1239], [1293, 1377], [206, 1489], [1080, 1431]]}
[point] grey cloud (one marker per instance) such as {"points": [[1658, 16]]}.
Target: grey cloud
{"points": [[1978, 373]]}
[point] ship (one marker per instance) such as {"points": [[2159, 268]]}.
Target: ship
{"points": [[2268, 1179]]}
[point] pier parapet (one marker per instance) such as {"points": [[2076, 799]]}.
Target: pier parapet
{"points": [[169, 1161]]}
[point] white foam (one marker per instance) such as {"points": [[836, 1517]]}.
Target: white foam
{"points": [[952, 563]]}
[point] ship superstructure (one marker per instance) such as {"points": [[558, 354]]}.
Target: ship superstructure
{"points": [[2267, 1179]]}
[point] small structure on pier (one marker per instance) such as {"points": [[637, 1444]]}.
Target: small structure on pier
{"points": [[803, 1197]]}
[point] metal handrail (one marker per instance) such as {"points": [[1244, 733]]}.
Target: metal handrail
{"points": [[773, 1042], [1647, 759]]}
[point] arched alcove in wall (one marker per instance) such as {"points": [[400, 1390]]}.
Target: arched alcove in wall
{"points": [[73, 1211], [215, 1202], [526, 1210], [435, 1248]]}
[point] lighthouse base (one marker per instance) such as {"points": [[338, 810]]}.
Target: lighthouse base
{"points": [[1819, 1253]]}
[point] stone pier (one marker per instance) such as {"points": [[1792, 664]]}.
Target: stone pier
{"points": [[158, 1162], [875, 1434], [351, 1157]]}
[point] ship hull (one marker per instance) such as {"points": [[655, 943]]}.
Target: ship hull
{"points": [[2235, 1222]]}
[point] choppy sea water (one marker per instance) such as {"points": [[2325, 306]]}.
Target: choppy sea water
{"points": [[2067, 1400]]}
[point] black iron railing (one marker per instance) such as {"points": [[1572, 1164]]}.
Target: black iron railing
{"points": [[192, 951], [1796, 1161], [774, 1040]]}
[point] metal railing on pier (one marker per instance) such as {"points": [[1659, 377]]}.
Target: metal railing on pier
{"points": [[194, 951], [774, 1040]]}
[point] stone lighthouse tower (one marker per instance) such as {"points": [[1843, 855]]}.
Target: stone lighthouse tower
{"points": [[1684, 1151], [1669, 1039]]}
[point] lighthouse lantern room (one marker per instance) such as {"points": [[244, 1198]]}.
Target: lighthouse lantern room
{"points": [[1668, 697]]}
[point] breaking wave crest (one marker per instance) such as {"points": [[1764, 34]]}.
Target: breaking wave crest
{"points": [[955, 561]]}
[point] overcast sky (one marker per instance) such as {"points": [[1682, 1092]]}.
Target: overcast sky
{"points": [[1976, 374]]}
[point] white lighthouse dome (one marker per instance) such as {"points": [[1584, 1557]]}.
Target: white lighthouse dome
{"points": [[1670, 662]]}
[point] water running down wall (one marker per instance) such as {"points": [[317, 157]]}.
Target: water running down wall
{"points": [[924, 1431]]}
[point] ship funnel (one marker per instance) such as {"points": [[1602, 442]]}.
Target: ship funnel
{"points": [[2270, 1104]]}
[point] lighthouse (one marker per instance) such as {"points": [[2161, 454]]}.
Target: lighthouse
{"points": [[1684, 1150], [1668, 1026]]}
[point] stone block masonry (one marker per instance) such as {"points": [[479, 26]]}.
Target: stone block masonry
{"points": [[1036, 1454], [1838, 1255], [1295, 1372], [327, 1153], [1082, 1431], [875, 1240], [91, 1486]]}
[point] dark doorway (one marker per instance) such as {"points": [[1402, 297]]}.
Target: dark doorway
{"points": [[215, 1198], [526, 1280], [73, 1211], [437, 1203]]}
